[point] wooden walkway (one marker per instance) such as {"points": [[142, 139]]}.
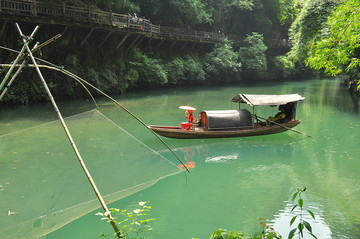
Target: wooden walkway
{"points": [[41, 12]]}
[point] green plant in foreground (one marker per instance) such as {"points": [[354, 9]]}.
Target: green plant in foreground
{"points": [[130, 223], [269, 232], [225, 234], [302, 223]]}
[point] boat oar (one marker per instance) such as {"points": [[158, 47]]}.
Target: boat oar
{"points": [[282, 126]]}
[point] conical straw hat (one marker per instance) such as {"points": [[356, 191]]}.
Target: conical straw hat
{"points": [[186, 107]]}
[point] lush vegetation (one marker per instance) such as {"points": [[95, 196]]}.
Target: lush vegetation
{"points": [[248, 26], [323, 35], [131, 224], [326, 37]]}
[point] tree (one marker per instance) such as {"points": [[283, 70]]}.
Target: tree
{"points": [[253, 55], [222, 61], [338, 50], [307, 26]]}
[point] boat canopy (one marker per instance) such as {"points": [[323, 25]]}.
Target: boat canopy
{"points": [[267, 99], [226, 119]]}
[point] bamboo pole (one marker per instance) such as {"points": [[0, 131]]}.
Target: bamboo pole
{"points": [[36, 47], [81, 161], [16, 74], [26, 42]]}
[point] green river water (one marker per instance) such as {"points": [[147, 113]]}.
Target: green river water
{"points": [[235, 181]]}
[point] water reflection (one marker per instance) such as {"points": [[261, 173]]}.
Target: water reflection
{"points": [[282, 220]]}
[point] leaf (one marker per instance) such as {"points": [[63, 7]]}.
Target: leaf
{"points": [[301, 202], [292, 233], [294, 196], [301, 229], [293, 208], [292, 220], [308, 226], [311, 213], [225, 235]]}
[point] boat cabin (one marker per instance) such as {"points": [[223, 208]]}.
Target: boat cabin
{"points": [[225, 119]]}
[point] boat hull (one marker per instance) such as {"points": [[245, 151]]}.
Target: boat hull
{"points": [[199, 132]]}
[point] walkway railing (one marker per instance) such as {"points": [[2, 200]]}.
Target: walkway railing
{"points": [[101, 18]]}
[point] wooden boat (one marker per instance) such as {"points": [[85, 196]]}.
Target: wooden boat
{"points": [[238, 123]]}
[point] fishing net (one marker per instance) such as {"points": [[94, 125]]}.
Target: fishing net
{"points": [[42, 185]]}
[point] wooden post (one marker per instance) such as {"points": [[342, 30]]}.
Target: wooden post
{"points": [[173, 44], [34, 8], [3, 26], [105, 38], [88, 35], [111, 18], [133, 42], [160, 43], [183, 45], [89, 12], [138, 43], [123, 40]]}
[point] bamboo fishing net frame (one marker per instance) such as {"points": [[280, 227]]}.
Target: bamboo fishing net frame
{"points": [[21, 55]]}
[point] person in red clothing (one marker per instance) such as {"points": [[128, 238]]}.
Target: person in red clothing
{"points": [[190, 117]]}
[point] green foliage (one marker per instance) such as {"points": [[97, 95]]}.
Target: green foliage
{"points": [[307, 26], [283, 67], [253, 56], [267, 232], [288, 11], [123, 6], [302, 224], [193, 69], [194, 11], [150, 70], [175, 70], [131, 224], [222, 61], [225, 234], [338, 49]]}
